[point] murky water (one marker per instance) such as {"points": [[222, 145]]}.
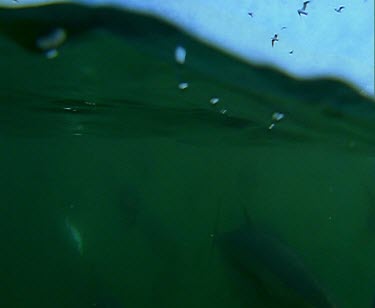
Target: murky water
{"points": [[117, 185]]}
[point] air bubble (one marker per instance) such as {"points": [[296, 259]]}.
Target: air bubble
{"points": [[214, 100], [183, 85], [277, 116], [180, 54]]}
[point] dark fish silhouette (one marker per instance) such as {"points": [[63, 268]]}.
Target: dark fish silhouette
{"points": [[340, 9], [274, 39], [273, 268], [251, 14], [291, 52]]}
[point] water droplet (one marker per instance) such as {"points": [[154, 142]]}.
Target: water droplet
{"points": [[52, 40], [183, 85], [51, 54], [214, 100], [70, 109], [180, 54], [277, 116]]}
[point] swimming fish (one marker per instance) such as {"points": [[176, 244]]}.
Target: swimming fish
{"points": [[274, 266], [75, 235]]}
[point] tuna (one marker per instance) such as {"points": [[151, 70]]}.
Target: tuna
{"points": [[274, 267]]}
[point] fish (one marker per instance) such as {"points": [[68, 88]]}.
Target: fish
{"points": [[273, 268], [75, 235]]}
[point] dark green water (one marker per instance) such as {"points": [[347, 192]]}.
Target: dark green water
{"points": [[101, 142]]}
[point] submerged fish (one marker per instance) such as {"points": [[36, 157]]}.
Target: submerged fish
{"points": [[274, 267], [75, 235]]}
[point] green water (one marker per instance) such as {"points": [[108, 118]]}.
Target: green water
{"points": [[102, 139]]}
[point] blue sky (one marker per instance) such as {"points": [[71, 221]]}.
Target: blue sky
{"points": [[324, 43]]}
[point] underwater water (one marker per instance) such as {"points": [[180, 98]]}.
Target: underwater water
{"points": [[117, 186]]}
